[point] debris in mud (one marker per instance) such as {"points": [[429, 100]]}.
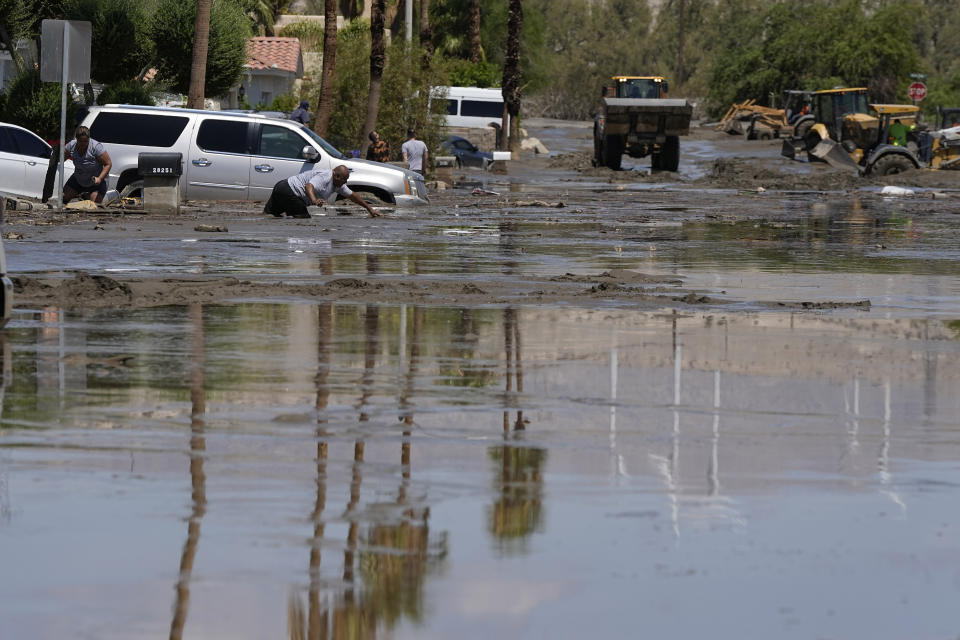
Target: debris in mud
{"points": [[210, 228], [693, 298], [122, 360], [538, 203], [12, 235], [859, 304], [472, 289], [348, 283]]}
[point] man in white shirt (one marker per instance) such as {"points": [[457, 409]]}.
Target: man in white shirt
{"points": [[414, 152], [291, 196]]}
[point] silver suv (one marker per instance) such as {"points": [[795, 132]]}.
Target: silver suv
{"points": [[235, 156]]}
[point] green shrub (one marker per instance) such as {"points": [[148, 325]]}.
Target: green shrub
{"points": [[35, 105], [285, 102], [463, 73], [126, 92], [309, 32]]}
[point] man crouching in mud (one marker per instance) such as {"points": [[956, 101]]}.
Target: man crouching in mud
{"points": [[291, 196]]}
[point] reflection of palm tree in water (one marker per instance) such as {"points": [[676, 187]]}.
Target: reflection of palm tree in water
{"points": [[198, 479], [393, 580], [518, 510]]}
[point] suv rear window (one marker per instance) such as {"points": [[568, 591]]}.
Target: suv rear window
{"points": [[228, 136], [142, 129]]}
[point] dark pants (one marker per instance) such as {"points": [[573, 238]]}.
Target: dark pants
{"points": [[284, 201], [92, 189]]}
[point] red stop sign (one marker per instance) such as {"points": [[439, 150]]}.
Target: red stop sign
{"points": [[917, 91]]}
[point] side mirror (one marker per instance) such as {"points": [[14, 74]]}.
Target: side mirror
{"points": [[309, 153], [665, 87]]}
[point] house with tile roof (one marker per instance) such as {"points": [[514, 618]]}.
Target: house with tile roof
{"points": [[274, 67]]}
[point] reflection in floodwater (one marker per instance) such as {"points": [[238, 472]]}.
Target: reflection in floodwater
{"points": [[518, 481], [402, 452], [198, 480], [394, 556]]}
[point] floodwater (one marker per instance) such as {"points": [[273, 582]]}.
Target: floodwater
{"points": [[739, 467]]}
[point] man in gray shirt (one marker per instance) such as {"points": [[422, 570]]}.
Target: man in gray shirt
{"points": [[414, 152], [91, 165], [291, 196]]}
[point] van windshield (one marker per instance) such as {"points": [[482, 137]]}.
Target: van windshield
{"points": [[326, 146]]}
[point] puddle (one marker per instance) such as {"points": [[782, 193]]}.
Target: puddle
{"points": [[430, 471]]}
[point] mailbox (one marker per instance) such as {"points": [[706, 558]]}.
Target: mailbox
{"points": [[161, 181], [163, 165]]}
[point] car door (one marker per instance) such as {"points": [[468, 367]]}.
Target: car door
{"points": [[36, 158], [277, 156], [219, 160], [12, 166]]}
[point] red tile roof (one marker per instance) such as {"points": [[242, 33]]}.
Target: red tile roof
{"points": [[274, 53]]}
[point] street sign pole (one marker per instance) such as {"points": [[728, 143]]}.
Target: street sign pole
{"points": [[63, 113]]}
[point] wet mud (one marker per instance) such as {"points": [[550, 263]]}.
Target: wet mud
{"points": [[557, 402]]}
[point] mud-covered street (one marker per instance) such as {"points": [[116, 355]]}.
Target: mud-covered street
{"points": [[718, 399]]}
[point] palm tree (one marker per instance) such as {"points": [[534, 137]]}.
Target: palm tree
{"points": [[511, 77], [425, 34], [201, 42], [475, 49], [377, 61], [325, 104]]}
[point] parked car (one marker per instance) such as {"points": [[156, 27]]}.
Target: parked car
{"points": [[235, 156], [467, 153], [24, 157]]}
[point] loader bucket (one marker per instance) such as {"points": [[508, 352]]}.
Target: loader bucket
{"points": [[834, 155], [789, 149]]}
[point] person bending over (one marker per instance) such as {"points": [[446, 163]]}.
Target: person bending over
{"points": [[91, 165], [293, 195]]}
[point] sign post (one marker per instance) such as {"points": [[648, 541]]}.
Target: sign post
{"points": [[64, 57]]}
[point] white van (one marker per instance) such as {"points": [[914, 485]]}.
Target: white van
{"points": [[235, 156], [472, 107]]}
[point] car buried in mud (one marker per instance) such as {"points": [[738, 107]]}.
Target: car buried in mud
{"points": [[236, 156]]}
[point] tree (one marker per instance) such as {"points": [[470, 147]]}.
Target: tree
{"points": [[511, 78], [377, 61], [173, 35], [475, 48], [201, 42], [124, 25], [425, 33], [325, 104]]}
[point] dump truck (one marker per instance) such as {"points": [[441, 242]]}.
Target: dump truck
{"points": [[639, 119]]}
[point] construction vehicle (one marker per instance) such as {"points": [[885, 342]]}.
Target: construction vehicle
{"points": [[944, 142], [849, 133], [638, 119]]}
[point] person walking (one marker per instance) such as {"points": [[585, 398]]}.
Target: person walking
{"points": [[91, 167], [379, 149], [291, 196], [414, 152], [302, 113]]}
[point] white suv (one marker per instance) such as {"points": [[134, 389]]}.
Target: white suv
{"points": [[235, 156]]}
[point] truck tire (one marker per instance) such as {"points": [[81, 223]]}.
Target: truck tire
{"points": [[670, 154], [890, 164], [612, 151]]}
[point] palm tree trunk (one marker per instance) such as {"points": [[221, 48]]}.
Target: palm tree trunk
{"points": [[201, 42], [511, 77], [325, 104], [377, 61], [426, 45], [475, 51]]}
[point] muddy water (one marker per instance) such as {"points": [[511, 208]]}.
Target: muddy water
{"points": [[268, 470], [722, 402]]}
